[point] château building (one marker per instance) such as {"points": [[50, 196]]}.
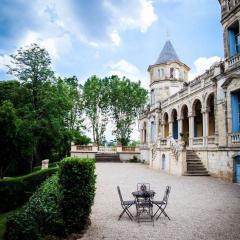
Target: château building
{"points": [[193, 127]]}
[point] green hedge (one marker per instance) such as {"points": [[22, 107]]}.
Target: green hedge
{"points": [[21, 226], [60, 206], [50, 165], [77, 190], [44, 208], [16, 191]]}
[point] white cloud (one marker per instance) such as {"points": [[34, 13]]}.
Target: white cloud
{"points": [[201, 65], [115, 38], [137, 14], [123, 68], [147, 15], [55, 45], [4, 60]]}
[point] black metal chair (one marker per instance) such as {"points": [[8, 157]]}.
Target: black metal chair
{"points": [[143, 186], [125, 205], [161, 205]]}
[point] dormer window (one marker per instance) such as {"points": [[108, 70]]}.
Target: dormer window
{"points": [[159, 73]]}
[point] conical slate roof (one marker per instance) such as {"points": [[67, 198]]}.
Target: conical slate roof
{"points": [[167, 54]]}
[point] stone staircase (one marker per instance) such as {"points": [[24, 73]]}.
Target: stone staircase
{"points": [[195, 166], [107, 157]]}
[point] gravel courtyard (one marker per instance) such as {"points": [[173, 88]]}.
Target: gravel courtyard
{"points": [[199, 207]]}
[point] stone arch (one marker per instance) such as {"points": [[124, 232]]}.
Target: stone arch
{"points": [[184, 113], [198, 120], [210, 108], [174, 119], [166, 125]]}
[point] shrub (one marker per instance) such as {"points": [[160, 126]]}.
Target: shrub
{"points": [[16, 191], [43, 207], [77, 190], [21, 226]]}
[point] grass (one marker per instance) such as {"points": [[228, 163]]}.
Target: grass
{"points": [[3, 219]]}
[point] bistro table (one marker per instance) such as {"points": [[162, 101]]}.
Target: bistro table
{"points": [[144, 205]]}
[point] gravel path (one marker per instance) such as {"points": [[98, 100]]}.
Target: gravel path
{"points": [[199, 207]]}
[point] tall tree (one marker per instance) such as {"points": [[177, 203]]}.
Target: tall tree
{"points": [[127, 99], [8, 133], [96, 106], [31, 65]]}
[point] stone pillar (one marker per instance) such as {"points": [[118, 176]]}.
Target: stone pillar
{"points": [[191, 129], [180, 126], [204, 127]]}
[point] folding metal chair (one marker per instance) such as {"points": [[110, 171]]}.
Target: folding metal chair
{"points": [[162, 204], [125, 205]]}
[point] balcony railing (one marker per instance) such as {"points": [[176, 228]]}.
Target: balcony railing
{"points": [[84, 148], [211, 140], [233, 61], [163, 141], [107, 149], [198, 141], [235, 138], [228, 5], [128, 149]]}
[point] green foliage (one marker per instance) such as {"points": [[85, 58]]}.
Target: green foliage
{"points": [[8, 132], [80, 139], [43, 207], [21, 226], [77, 190], [45, 110], [127, 99], [96, 106], [16, 191]]}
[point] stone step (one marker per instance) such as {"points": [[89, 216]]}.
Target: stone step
{"points": [[107, 157], [196, 174], [194, 161]]}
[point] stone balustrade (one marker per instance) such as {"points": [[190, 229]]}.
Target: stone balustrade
{"points": [[228, 5], [198, 141], [232, 62], [235, 138]]}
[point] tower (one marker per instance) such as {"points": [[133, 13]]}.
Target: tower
{"points": [[167, 74], [231, 26]]}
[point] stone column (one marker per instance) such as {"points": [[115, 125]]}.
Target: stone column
{"points": [[191, 128], [180, 126], [204, 127]]}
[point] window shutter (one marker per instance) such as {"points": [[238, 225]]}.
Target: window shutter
{"points": [[235, 113]]}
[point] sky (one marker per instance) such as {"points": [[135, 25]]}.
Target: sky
{"points": [[105, 37]]}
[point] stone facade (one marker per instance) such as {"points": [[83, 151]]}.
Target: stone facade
{"points": [[200, 118]]}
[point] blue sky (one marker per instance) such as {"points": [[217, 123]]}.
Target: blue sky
{"points": [[104, 37]]}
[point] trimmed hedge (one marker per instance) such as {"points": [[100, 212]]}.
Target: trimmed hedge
{"points": [[77, 190], [50, 165], [60, 206], [16, 191], [21, 226], [44, 208]]}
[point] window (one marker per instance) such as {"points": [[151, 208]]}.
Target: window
{"points": [[235, 101], [153, 132], [162, 73], [159, 73], [152, 97], [234, 39]]}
